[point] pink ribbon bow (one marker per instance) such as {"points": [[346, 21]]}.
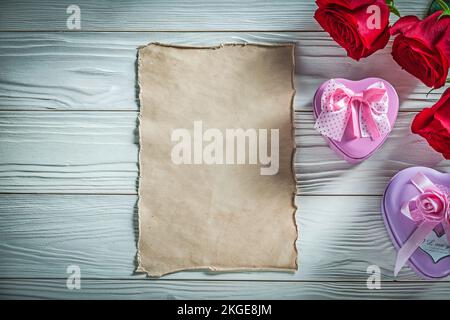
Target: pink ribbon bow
{"points": [[428, 209], [367, 109]]}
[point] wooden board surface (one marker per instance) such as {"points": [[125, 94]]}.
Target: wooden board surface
{"points": [[228, 290], [97, 71], [69, 146], [337, 241], [83, 152], [175, 15]]}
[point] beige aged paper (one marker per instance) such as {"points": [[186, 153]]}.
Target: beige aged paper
{"points": [[215, 213]]}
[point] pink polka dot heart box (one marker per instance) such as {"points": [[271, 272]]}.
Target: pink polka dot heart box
{"points": [[355, 117]]}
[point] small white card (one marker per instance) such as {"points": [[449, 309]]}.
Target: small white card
{"points": [[437, 247]]}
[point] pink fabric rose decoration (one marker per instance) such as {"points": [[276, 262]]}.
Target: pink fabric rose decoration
{"points": [[431, 205]]}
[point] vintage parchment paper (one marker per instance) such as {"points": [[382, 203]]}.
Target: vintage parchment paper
{"points": [[215, 216]]}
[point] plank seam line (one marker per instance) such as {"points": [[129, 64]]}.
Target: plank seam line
{"points": [[67, 194], [135, 194], [69, 110], [137, 111], [235, 280], [166, 31]]}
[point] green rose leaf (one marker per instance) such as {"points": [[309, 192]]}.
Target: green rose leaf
{"points": [[438, 5]]}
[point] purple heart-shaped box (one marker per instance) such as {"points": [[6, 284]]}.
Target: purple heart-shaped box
{"points": [[355, 150], [432, 259]]}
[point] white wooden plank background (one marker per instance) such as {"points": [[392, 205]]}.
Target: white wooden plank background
{"points": [[97, 71], [83, 152], [160, 289], [176, 15], [68, 153], [98, 233]]}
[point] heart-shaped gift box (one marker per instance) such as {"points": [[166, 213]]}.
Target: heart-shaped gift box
{"points": [[416, 212], [355, 116]]}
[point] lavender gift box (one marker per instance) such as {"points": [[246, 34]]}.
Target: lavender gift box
{"points": [[416, 212]]}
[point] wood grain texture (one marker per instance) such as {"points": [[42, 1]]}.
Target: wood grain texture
{"points": [[85, 152], [177, 290], [150, 15], [97, 71], [41, 235], [68, 152]]}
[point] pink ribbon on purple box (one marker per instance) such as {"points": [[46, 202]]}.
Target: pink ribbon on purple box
{"points": [[428, 209], [367, 110]]}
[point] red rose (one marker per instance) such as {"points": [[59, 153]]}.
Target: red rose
{"points": [[359, 26], [423, 47], [434, 125]]}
